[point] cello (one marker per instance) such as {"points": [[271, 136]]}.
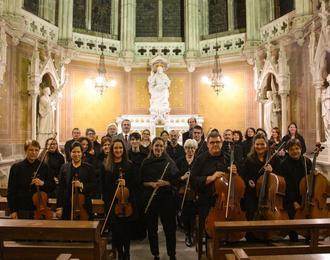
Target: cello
{"points": [[78, 211], [271, 192], [314, 189], [40, 198], [229, 191]]}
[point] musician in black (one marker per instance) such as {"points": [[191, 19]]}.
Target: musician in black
{"points": [[80, 175], [188, 212], [23, 180], [254, 167], [208, 167], [293, 168], [158, 171], [118, 170]]}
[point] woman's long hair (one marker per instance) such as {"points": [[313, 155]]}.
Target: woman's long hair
{"points": [[252, 154], [110, 160], [45, 150], [151, 153]]}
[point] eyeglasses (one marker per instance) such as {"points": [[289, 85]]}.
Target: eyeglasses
{"points": [[190, 147]]}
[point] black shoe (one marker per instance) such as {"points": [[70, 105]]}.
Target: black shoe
{"points": [[172, 257], [188, 241], [293, 236], [156, 257]]}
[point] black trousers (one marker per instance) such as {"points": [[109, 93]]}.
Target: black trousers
{"points": [[165, 208], [188, 216], [121, 238], [25, 214]]}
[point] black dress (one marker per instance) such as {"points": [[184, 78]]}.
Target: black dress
{"points": [[120, 226]]}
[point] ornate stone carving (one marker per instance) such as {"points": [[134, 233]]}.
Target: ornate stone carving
{"points": [[3, 51]]}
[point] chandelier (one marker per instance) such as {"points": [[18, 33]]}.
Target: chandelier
{"points": [[217, 79], [101, 82]]}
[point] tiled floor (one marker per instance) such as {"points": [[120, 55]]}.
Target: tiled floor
{"points": [[141, 251]]}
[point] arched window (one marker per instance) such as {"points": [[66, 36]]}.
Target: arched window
{"points": [[147, 18], [31, 6], [283, 7], [101, 16], [218, 16], [240, 14], [160, 18], [79, 14]]}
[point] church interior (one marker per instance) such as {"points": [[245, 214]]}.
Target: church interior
{"points": [[227, 64]]}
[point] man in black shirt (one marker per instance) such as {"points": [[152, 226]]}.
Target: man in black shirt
{"points": [[23, 180], [75, 136], [199, 137], [189, 134], [174, 150]]}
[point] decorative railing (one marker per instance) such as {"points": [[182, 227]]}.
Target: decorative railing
{"points": [[150, 49], [39, 27], [277, 28], [94, 44], [226, 44]]}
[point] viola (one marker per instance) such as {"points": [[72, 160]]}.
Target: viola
{"points": [[229, 191], [123, 208], [78, 211], [314, 189], [40, 201]]}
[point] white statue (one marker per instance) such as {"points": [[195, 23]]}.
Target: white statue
{"points": [[159, 84], [325, 98], [47, 103], [271, 112]]}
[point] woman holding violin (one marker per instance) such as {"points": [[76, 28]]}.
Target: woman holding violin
{"points": [[23, 181], [159, 175], [118, 186], [54, 160], [77, 182], [186, 194]]}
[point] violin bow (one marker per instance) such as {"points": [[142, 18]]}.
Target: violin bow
{"points": [[185, 191], [43, 158], [155, 190], [109, 211], [232, 158], [272, 156]]}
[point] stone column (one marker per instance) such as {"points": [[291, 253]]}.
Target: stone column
{"points": [[114, 18], [33, 88], [191, 33], [127, 32], [231, 15], [303, 7], [318, 117], [88, 15], [13, 6], [284, 109], [160, 18], [47, 10], [204, 17], [65, 20]]}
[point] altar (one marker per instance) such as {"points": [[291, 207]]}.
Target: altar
{"points": [[156, 126]]}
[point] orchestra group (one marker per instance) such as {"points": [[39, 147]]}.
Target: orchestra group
{"points": [[141, 180]]}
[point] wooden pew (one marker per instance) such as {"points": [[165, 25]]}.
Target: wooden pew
{"points": [[219, 250], [47, 239], [98, 205]]}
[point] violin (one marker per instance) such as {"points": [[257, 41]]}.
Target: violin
{"points": [[271, 192], [314, 189], [78, 211], [229, 191], [40, 198], [40, 201], [123, 208]]}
